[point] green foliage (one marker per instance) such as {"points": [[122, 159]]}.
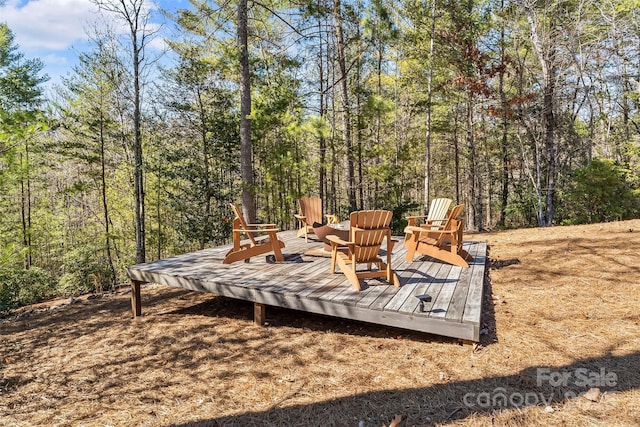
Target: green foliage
{"points": [[19, 80], [69, 185], [20, 287], [85, 270], [597, 193], [10, 256], [398, 221]]}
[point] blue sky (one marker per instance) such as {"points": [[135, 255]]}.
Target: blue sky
{"points": [[56, 30]]}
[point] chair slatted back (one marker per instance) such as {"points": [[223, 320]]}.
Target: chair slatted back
{"points": [[367, 243], [311, 207], [456, 212], [239, 223], [438, 211], [368, 231], [370, 219], [453, 222]]}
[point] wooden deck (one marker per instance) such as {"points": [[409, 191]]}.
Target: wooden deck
{"points": [[305, 283]]}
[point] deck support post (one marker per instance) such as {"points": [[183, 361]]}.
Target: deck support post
{"points": [[136, 303], [259, 314], [467, 343]]}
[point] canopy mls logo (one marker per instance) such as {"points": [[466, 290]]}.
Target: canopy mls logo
{"points": [[499, 397], [581, 377]]}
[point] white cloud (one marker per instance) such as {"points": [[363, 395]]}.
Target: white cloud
{"points": [[56, 30], [55, 59], [55, 24], [48, 24]]}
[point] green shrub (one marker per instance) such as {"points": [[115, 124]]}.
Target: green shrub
{"points": [[85, 270], [598, 192], [20, 287], [398, 220]]}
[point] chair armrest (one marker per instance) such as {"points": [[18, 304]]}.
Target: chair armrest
{"points": [[416, 216], [430, 225], [300, 217], [412, 218], [413, 229], [337, 240], [245, 230], [421, 229]]}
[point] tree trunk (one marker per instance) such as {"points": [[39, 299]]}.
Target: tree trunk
{"points": [[456, 153], [346, 115], [546, 56], [105, 205], [25, 190], [427, 156], [476, 200], [550, 124], [322, 148], [132, 12], [138, 181], [246, 161], [505, 127], [206, 168]]}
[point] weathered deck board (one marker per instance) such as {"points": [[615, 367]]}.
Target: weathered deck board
{"points": [[305, 283], [447, 289], [427, 286]]}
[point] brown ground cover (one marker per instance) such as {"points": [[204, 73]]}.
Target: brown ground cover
{"points": [[561, 316]]}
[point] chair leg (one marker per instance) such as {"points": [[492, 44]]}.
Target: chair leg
{"points": [[334, 254], [396, 280], [275, 244], [302, 230], [411, 245], [350, 273]]}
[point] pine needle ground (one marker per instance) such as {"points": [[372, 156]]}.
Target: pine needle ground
{"points": [[558, 301]]}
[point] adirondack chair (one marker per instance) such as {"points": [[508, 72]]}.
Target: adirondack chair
{"points": [[256, 245], [367, 231], [311, 213], [436, 216], [443, 243]]}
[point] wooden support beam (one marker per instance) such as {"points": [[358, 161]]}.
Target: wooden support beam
{"points": [[136, 302], [259, 314], [468, 344]]}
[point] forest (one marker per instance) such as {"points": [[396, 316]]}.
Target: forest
{"points": [[526, 111]]}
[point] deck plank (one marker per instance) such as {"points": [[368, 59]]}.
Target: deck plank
{"points": [[406, 290], [455, 311], [443, 301], [425, 287], [435, 287], [473, 306]]}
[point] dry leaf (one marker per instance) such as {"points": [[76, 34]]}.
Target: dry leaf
{"points": [[396, 421], [593, 394]]}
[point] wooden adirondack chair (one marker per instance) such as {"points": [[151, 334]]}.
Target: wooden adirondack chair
{"points": [[437, 215], [310, 213], [255, 246], [443, 243], [367, 230]]}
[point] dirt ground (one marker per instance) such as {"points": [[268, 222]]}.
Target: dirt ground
{"points": [[562, 347]]}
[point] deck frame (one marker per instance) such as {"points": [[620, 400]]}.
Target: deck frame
{"points": [[307, 285]]}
